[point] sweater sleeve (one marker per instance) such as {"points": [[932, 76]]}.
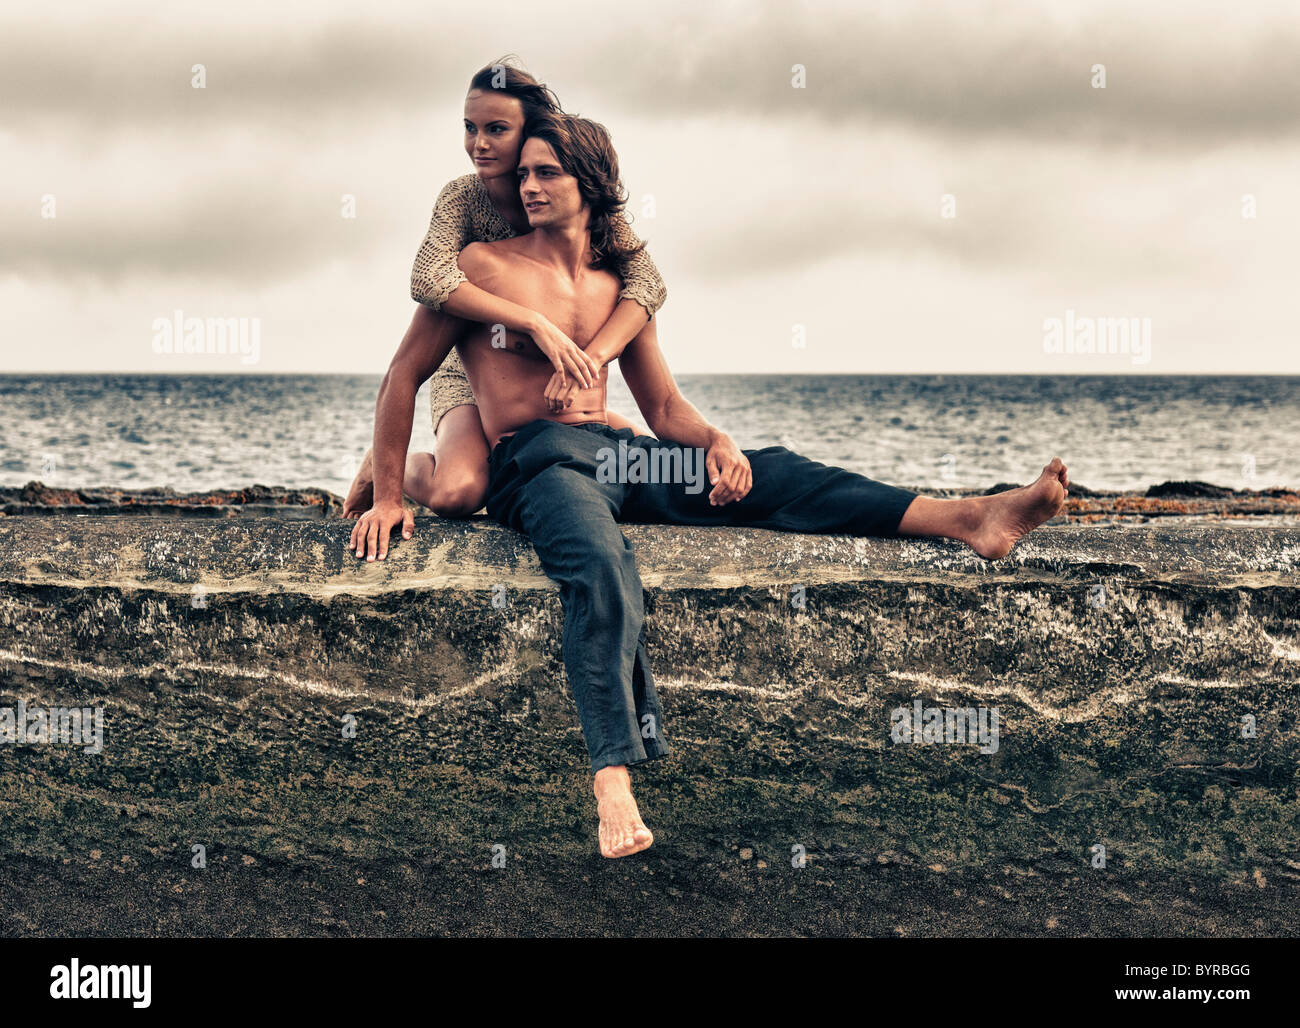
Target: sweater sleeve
{"points": [[436, 273], [641, 281]]}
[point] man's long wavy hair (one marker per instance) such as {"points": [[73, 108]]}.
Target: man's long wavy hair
{"points": [[586, 152]]}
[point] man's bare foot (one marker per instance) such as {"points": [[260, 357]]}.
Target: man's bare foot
{"points": [[361, 496], [622, 832], [1004, 517]]}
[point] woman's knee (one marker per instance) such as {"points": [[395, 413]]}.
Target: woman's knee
{"points": [[460, 478], [459, 493]]}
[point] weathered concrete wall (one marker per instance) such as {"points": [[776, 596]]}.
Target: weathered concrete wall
{"points": [[1121, 712]]}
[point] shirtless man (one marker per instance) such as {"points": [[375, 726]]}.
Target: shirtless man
{"points": [[545, 466]]}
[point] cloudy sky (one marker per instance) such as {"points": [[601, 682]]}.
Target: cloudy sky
{"points": [[773, 206]]}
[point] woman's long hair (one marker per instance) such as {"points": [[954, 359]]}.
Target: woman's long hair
{"points": [[501, 76], [586, 152]]}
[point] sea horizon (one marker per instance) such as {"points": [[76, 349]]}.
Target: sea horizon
{"points": [[956, 430]]}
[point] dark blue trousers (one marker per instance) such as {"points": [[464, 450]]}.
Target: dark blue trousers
{"points": [[549, 481]]}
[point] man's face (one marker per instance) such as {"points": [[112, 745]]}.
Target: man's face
{"points": [[549, 194]]}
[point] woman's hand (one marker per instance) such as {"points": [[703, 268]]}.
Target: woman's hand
{"points": [[568, 358]]}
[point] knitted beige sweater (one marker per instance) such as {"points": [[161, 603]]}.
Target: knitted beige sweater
{"points": [[463, 214]]}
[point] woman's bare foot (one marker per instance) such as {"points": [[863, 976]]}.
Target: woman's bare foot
{"points": [[622, 832], [1004, 517], [361, 496]]}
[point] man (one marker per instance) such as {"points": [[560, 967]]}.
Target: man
{"points": [[551, 458]]}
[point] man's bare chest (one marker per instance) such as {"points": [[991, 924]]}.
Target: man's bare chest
{"points": [[495, 342]]}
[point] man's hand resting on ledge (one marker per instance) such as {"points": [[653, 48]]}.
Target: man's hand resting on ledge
{"points": [[370, 533], [729, 469]]}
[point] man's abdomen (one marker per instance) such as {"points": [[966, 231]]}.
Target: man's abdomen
{"points": [[509, 389]]}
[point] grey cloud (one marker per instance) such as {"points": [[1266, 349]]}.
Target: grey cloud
{"points": [[296, 89], [1174, 79], [996, 230], [1175, 83], [239, 231], [110, 76]]}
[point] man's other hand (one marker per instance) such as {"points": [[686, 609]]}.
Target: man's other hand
{"points": [[370, 534], [560, 392], [729, 471]]}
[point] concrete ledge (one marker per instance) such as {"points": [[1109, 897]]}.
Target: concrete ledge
{"points": [[1122, 659]]}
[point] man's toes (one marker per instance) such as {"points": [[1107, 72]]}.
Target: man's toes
{"points": [[613, 841]]}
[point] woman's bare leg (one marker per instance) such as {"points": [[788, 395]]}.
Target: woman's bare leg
{"points": [[453, 482]]}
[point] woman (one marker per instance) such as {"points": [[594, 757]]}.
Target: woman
{"points": [[486, 207]]}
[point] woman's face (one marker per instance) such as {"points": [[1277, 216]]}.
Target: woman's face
{"points": [[494, 128]]}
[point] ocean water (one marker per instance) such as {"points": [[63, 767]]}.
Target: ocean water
{"points": [[928, 431]]}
